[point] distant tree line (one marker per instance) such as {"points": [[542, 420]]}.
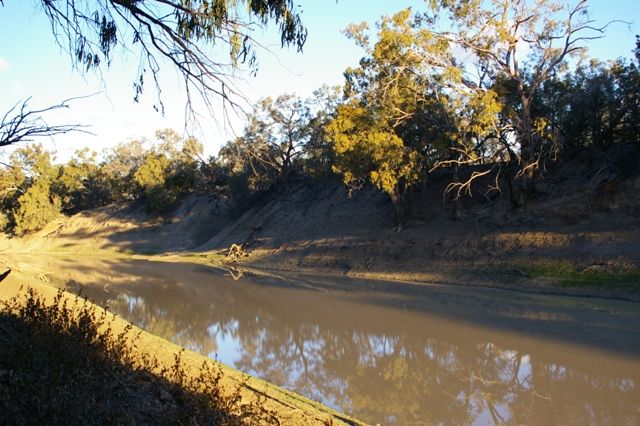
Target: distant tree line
{"points": [[521, 92], [34, 190]]}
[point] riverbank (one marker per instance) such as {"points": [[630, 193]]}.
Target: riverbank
{"points": [[382, 351], [581, 263], [579, 234], [496, 267], [322, 230], [286, 406]]}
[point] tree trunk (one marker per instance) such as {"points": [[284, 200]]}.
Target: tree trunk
{"points": [[397, 198], [527, 178], [457, 213]]}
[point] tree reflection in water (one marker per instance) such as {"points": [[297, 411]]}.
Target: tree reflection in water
{"points": [[381, 364]]}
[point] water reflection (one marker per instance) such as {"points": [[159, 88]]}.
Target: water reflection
{"points": [[379, 363]]}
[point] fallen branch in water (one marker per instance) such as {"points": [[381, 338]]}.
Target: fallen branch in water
{"points": [[236, 252]]}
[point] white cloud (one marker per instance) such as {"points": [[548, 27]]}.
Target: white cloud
{"points": [[4, 64]]}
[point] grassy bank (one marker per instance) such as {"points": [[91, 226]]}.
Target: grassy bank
{"points": [[566, 274]]}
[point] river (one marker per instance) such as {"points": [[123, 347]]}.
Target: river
{"points": [[387, 353]]}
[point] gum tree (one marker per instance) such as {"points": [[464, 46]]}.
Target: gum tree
{"points": [[408, 111], [517, 45], [274, 140]]}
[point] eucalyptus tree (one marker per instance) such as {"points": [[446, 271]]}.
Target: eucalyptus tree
{"points": [[82, 183], [456, 86], [273, 142], [382, 96], [168, 170], [598, 104], [119, 164], [319, 156], [205, 41], [518, 45], [36, 204], [408, 109]]}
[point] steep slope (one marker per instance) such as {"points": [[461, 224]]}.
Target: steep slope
{"points": [[307, 212], [128, 228], [581, 229]]}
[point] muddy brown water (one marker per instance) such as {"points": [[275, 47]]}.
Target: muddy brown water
{"points": [[387, 353]]}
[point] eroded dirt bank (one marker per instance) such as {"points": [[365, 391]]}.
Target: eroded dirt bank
{"points": [[579, 235]]}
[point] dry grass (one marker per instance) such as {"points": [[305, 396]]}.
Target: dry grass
{"points": [[61, 363]]}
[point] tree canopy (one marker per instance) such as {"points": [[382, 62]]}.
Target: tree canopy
{"points": [[191, 35], [520, 44], [486, 105], [464, 84]]}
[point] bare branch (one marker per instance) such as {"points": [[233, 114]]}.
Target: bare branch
{"points": [[21, 124], [461, 188]]}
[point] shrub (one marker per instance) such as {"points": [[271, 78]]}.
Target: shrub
{"points": [[4, 221], [36, 208], [61, 363]]}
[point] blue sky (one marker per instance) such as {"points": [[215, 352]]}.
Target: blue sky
{"points": [[32, 65]]}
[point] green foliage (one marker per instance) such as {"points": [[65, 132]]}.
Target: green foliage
{"points": [[572, 275], [152, 171], [33, 190], [409, 108], [12, 183], [151, 177], [35, 162], [27, 193], [82, 184], [4, 221], [168, 171], [185, 174], [400, 118], [365, 148], [273, 144], [413, 107], [598, 104], [36, 208], [179, 32], [160, 200], [319, 155], [118, 167]]}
